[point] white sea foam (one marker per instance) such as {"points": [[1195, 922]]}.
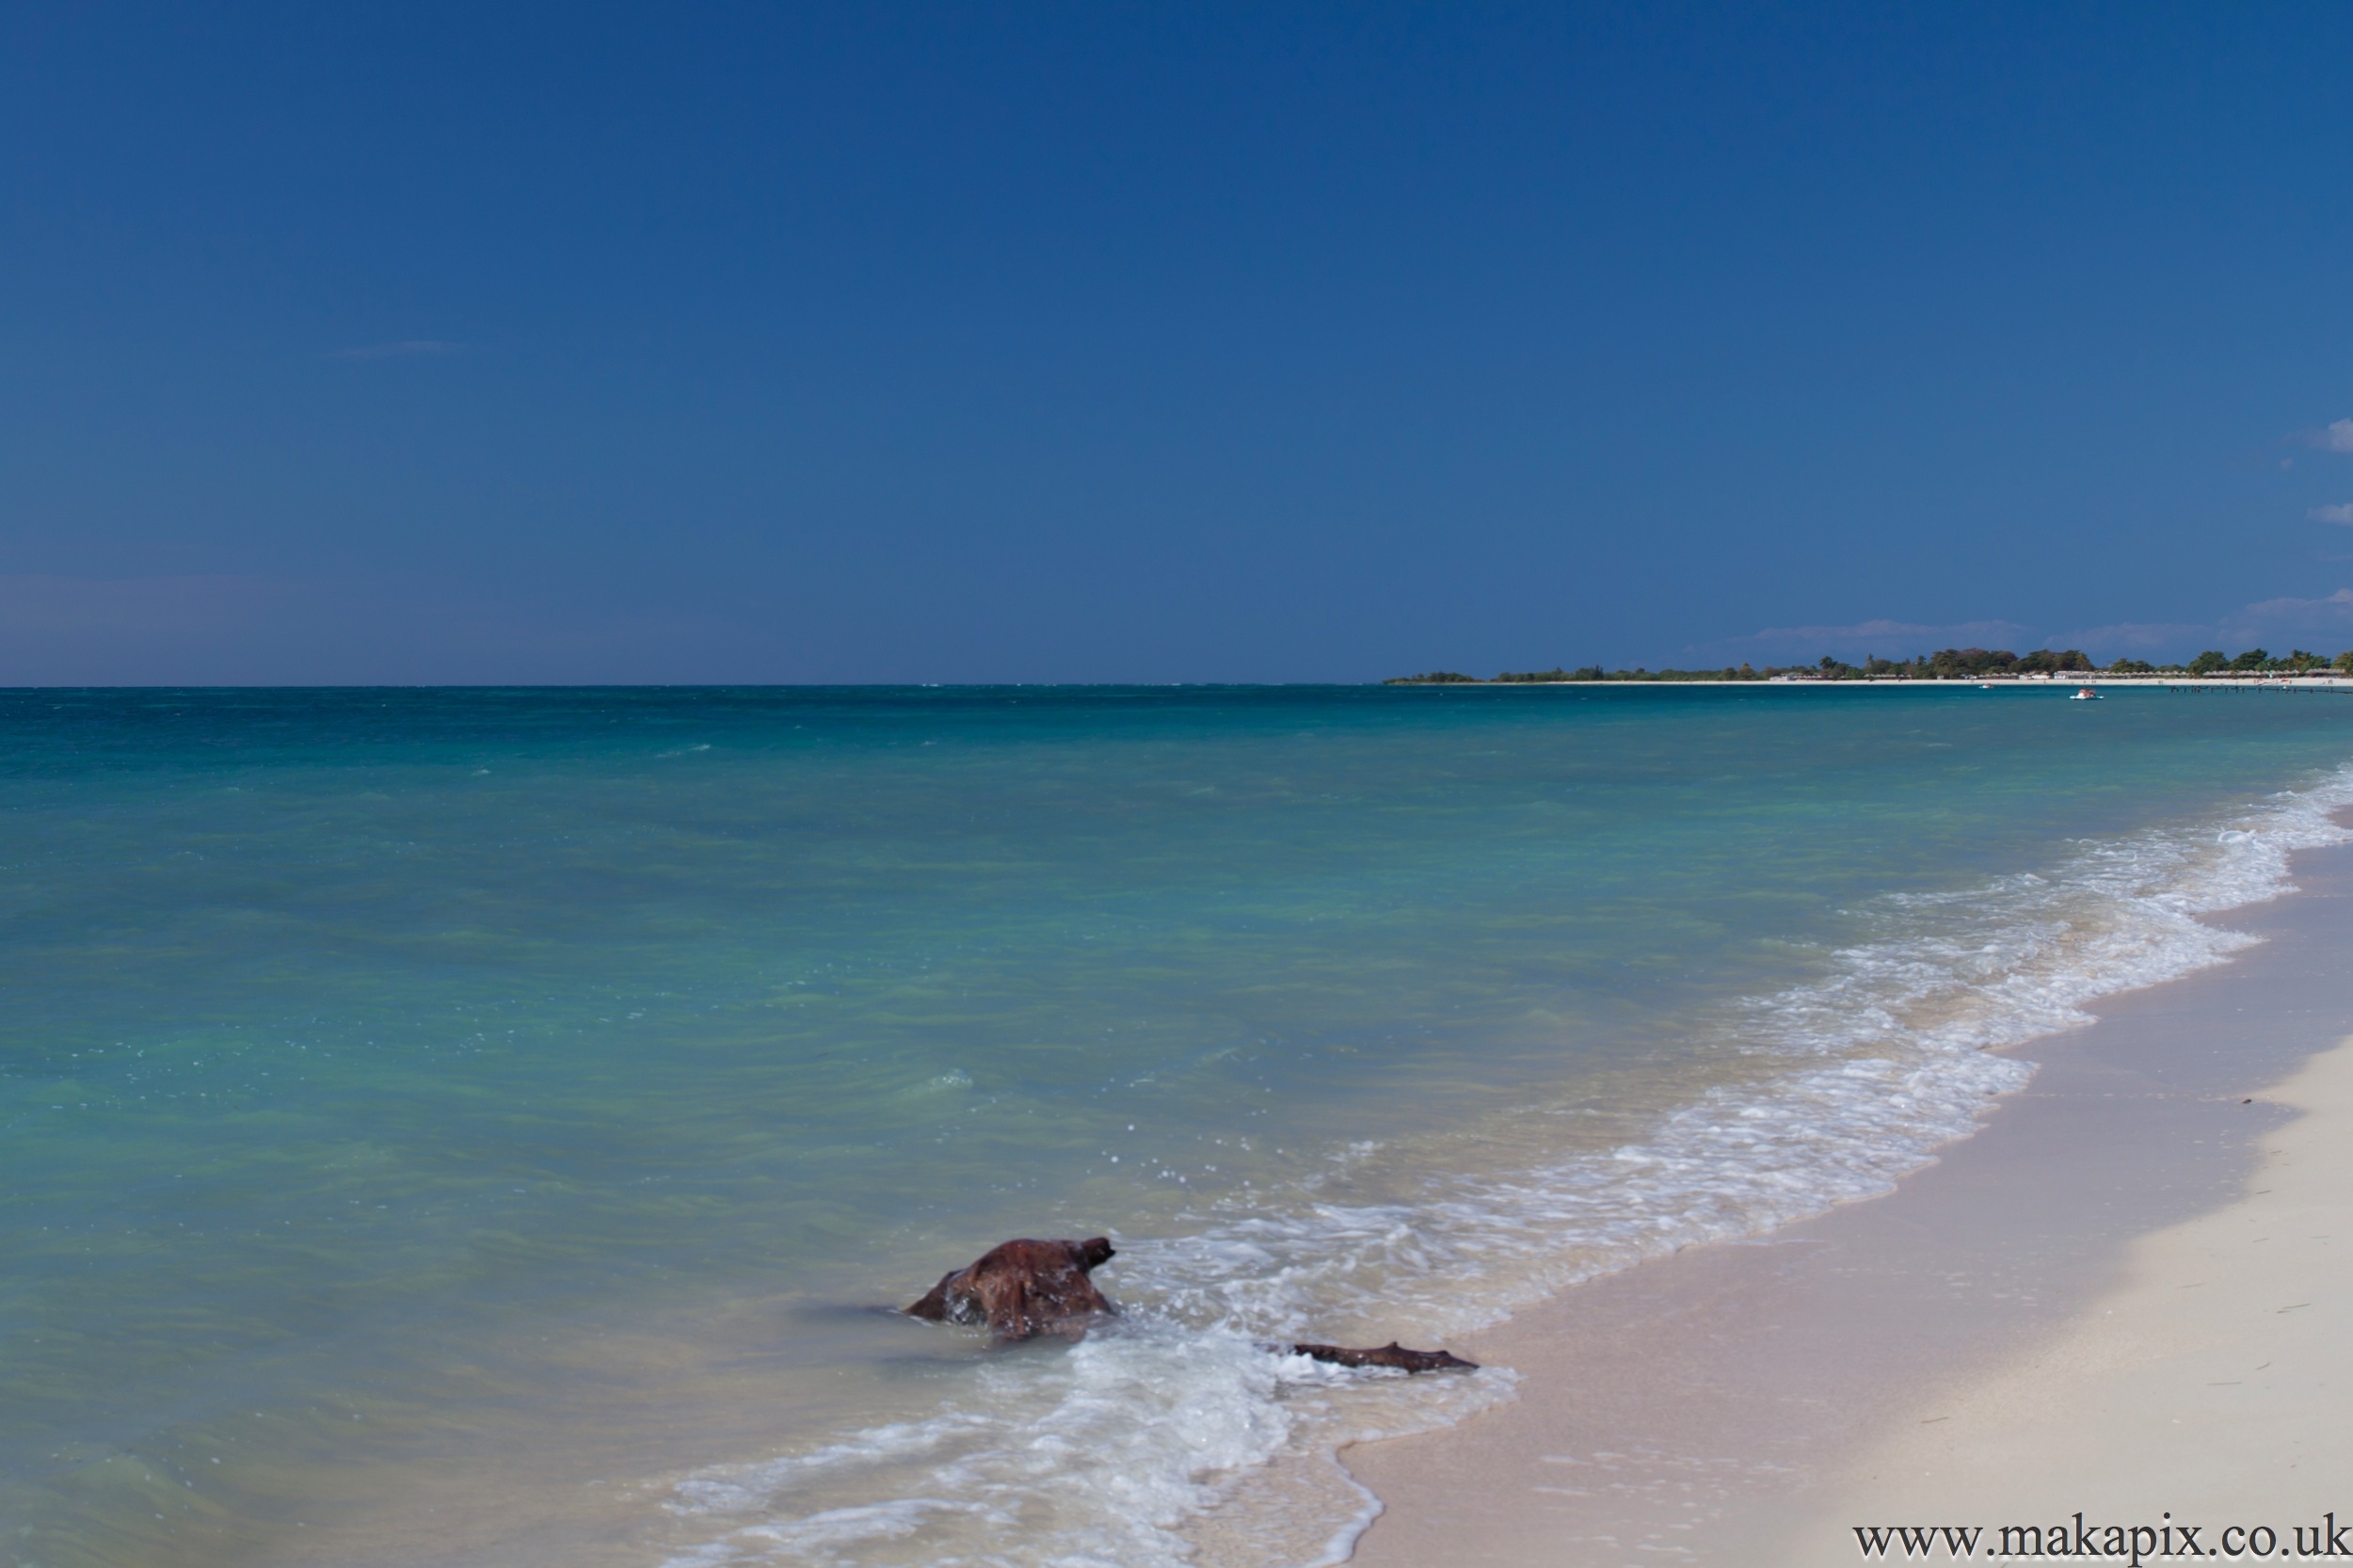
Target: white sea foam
{"points": [[1096, 1456], [1105, 1455]]}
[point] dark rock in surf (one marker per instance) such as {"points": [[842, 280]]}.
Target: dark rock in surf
{"points": [[1024, 1289], [1390, 1354]]}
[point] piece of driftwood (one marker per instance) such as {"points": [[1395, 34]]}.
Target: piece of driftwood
{"points": [[1025, 1288], [1390, 1354]]}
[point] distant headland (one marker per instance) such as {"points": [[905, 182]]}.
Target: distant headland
{"points": [[1952, 664]]}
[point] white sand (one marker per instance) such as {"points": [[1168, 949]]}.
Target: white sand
{"points": [[2213, 1384]]}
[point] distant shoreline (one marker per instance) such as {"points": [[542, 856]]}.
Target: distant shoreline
{"points": [[1945, 667], [2230, 682]]}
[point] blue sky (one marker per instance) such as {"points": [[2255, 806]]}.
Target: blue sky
{"points": [[1101, 342]]}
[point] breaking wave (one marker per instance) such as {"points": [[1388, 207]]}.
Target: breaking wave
{"points": [[1117, 1451]]}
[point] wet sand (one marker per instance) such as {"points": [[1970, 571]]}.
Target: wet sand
{"points": [[1736, 1403]]}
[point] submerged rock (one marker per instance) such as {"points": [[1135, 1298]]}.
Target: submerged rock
{"points": [[1024, 1289], [1390, 1354]]}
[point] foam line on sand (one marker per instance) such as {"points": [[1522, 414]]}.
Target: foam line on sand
{"points": [[2072, 1309]]}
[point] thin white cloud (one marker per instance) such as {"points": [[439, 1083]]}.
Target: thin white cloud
{"points": [[223, 630], [2151, 638], [2325, 623], [46, 606], [1896, 639], [2338, 436], [2333, 514], [2334, 611], [409, 348]]}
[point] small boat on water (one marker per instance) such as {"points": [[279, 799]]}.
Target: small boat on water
{"points": [[2085, 694]]}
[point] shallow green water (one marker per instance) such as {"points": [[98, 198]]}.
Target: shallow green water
{"points": [[357, 1043]]}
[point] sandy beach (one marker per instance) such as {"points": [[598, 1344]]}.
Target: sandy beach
{"points": [[2206, 1390], [2126, 1296]]}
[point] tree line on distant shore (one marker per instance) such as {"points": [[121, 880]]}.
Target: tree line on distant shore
{"points": [[1952, 664]]}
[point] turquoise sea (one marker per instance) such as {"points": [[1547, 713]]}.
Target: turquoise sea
{"points": [[479, 1126]]}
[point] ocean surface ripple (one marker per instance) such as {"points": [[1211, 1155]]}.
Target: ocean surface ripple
{"points": [[447, 1126]]}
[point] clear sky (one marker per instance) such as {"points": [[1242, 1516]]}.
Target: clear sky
{"points": [[483, 343]]}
